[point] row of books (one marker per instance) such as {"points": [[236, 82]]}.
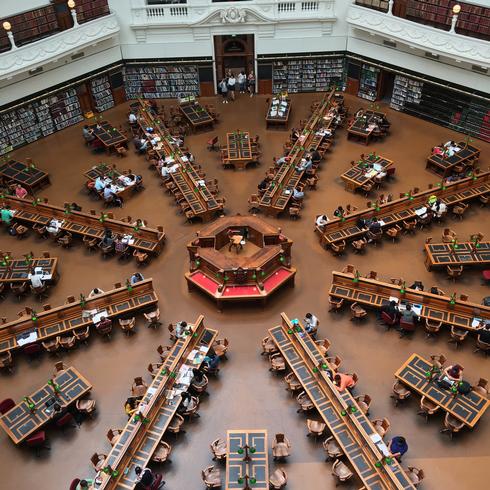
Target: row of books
{"points": [[307, 75], [368, 82], [405, 90], [102, 93]]}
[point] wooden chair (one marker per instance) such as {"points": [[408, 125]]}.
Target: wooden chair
{"points": [[278, 479], [293, 383], [457, 336], [432, 327], [65, 240], [427, 408], [357, 311], [218, 449], [86, 406], [6, 361], [220, 347], [332, 448], [438, 360], [359, 246], [459, 210], [19, 290], [162, 453], [452, 425], [335, 304], [199, 387], [335, 362], [448, 236], [68, 342], [372, 275], [141, 257], [315, 428], [98, 460], [171, 329], [281, 447], [481, 346], [192, 408], [409, 226], [323, 346], [20, 230], [254, 203], [211, 477], [482, 387], [268, 346], [294, 212], [305, 403], [127, 325], [113, 436], [90, 243], [341, 471], [364, 402], [382, 426], [82, 335], [453, 272], [277, 363], [349, 269], [338, 248], [153, 318], [367, 188], [154, 368], [139, 387], [164, 351], [52, 346], [415, 475], [175, 425]]}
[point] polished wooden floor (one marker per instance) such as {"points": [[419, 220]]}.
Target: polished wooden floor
{"points": [[246, 395]]}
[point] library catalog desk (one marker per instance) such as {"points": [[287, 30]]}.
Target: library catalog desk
{"points": [[27, 175], [244, 467], [365, 171], [352, 429], [444, 165], [141, 435], [19, 270], [276, 199], [404, 208], [120, 184], [278, 113], [439, 255], [375, 294], [22, 421], [251, 269], [82, 224], [238, 149], [108, 135], [417, 374], [194, 112], [77, 314], [361, 127]]}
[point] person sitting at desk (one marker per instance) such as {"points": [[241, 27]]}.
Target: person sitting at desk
{"points": [[408, 315], [484, 331], [311, 323], [282, 160], [6, 215], [297, 194], [375, 226], [95, 292], [52, 227], [181, 330], [391, 309], [88, 134], [111, 196], [339, 212], [108, 238], [321, 221], [198, 379], [84, 484], [294, 135], [263, 185], [454, 372], [437, 151], [146, 477], [99, 184], [439, 208], [136, 277], [211, 362], [305, 165], [20, 191], [315, 155], [119, 246], [141, 144], [417, 285], [133, 120], [36, 281], [189, 156], [398, 447], [131, 405], [343, 381], [185, 403]]}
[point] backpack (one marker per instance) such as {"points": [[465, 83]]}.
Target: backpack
{"points": [[464, 387]]}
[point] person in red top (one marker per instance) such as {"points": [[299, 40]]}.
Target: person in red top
{"points": [[20, 191], [343, 381]]}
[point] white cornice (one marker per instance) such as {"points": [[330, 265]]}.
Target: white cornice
{"points": [[455, 46], [51, 48]]}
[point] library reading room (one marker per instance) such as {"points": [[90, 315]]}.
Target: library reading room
{"points": [[244, 244]]}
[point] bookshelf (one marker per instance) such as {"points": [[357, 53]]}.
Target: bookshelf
{"points": [[307, 75], [102, 93], [65, 109], [368, 82], [381, 5], [405, 90], [161, 82], [91, 9]]}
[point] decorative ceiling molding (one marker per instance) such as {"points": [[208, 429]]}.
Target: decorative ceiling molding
{"points": [[59, 45], [464, 48]]}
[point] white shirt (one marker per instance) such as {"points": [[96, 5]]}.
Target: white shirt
{"points": [[311, 322], [321, 220], [442, 209], [180, 330], [36, 282], [231, 81], [132, 118], [241, 78]]}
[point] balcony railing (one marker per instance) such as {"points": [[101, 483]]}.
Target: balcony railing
{"points": [[472, 20], [424, 37], [229, 12], [30, 56]]}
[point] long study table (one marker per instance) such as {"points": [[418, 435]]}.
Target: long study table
{"points": [[391, 213], [21, 421], [198, 117], [29, 213], [360, 126], [416, 375], [365, 171], [140, 438], [119, 182], [375, 294], [64, 319], [466, 254], [257, 467], [276, 198], [278, 113], [18, 270], [26, 175], [108, 135], [238, 149], [444, 165], [352, 429], [200, 200]]}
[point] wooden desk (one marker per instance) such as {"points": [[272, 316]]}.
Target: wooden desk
{"points": [[278, 121], [199, 199], [404, 208], [376, 294], [444, 165], [18, 270], [258, 466], [360, 127], [364, 172], [111, 175], [275, 200], [439, 255], [139, 440], [108, 135], [32, 178], [198, 117], [64, 319], [339, 410], [19, 422], [239, 149], [467, 408], [81, 224]]}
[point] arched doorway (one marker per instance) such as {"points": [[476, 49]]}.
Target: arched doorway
{"points": [[235, 53]]}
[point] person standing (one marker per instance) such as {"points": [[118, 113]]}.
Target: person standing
{"points": [[242, 82], [223, 86], [232, 85], [251, 83]]}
